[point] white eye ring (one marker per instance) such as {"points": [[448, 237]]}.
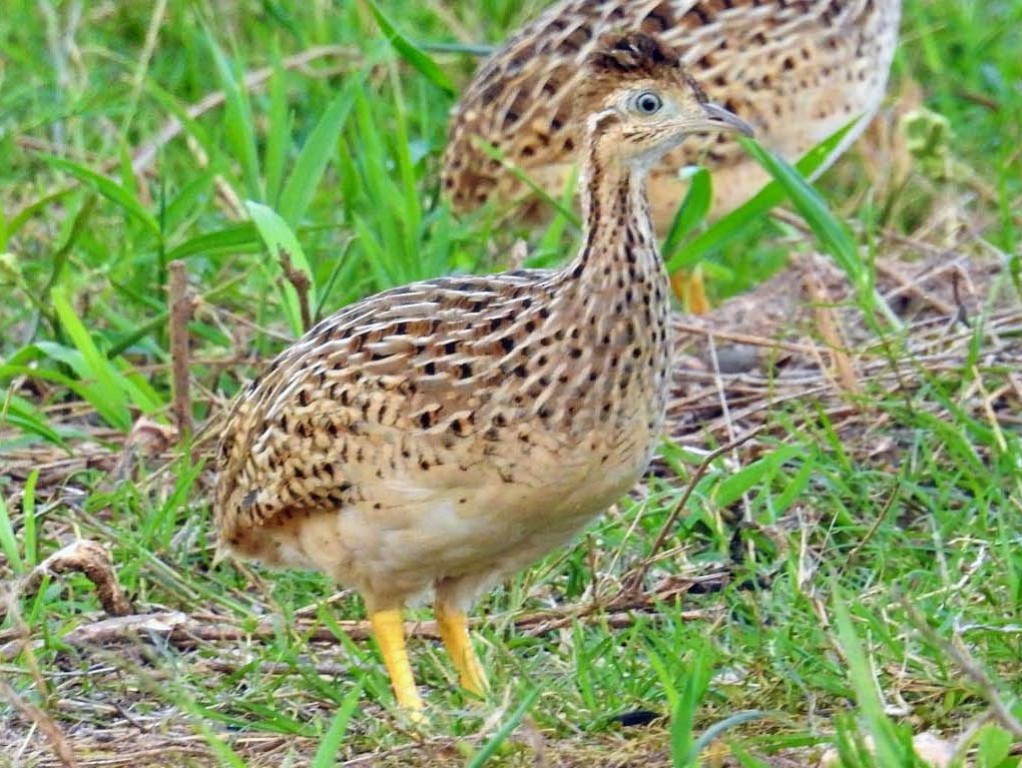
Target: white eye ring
{"points": [[648, 103]]}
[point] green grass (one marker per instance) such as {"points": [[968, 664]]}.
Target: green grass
{"points": [[854, 573]]}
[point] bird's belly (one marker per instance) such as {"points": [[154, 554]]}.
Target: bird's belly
{"points": [[420, 528], [506, 524]]}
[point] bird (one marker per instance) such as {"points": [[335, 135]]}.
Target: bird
{"points": [[440, 436], [796, 70]]}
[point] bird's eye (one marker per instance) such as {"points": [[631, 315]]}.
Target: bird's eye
{"points": [[648, 103]]}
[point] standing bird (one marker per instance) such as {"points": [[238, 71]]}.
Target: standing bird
{"points": [[796, 70], [443, 435]]}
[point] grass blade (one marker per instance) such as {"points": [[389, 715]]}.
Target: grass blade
{"points": [[238, 238], [693, 210], [313, 159], [8, 542], [280, 240], [712, 733], [278, 137], [728, 227], [490, 747], [684, 747], [29, 529], [238, 121], [109, 398], [20, 413], [886, 742], [832, 234], [111, 190], [410, 52], [326, 754]]}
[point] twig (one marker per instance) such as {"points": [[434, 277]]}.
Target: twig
{"points": [[679, 324], [893, 496], [180, 313], [145, 154], [300, 281], [970, 667], [82, 556], [184, 630], [633, 582], [44, 722]]}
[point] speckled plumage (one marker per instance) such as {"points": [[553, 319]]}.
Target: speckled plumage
{"points": [[796, 70], [489, 409], [447, 433]]}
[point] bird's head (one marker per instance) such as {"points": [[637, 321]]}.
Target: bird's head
{"points": [[640, 102]]}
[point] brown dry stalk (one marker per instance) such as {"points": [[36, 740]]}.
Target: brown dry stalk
{"points": [[828, 326], [144, 155], [633, 582], [713, 332], [184, 630], [180, 313], [45, 723], [82, 556], [955, 650], [300, 281]]}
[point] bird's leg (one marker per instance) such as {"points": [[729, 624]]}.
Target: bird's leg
{"points": [[690, 289], [453, 626], [389, 629]]}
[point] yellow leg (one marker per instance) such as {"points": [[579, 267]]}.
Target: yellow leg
{"points": [[690, 289], [453, 626], [389, 629]]}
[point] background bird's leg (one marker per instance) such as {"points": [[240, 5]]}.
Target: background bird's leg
{"points": [[691, 290], [389, 629], [453, 624]]}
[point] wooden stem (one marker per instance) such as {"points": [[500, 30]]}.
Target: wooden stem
{"points": [[180, 313]]}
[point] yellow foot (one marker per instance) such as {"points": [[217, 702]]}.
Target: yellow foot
{"points": [[453, 626], [690, 289], [389, 629]]}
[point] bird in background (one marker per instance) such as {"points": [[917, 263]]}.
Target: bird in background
{"points": [[797, 71]]}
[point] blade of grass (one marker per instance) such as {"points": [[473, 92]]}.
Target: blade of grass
{"points": [[411, 52], [8, 542], [684, 747], [238, 121], [20, 413], [490, 747], [280, 239], [757, 473], [238, 238], [330, 746], [278, 137], [692, 211], [712, 733], [28, 211], [860, 675], [725, 229], [112, 191], [109, 396], [318, 149], [832, 234], [29, 530]]}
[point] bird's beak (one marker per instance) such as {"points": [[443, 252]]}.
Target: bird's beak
{"points": [[725, 120]]}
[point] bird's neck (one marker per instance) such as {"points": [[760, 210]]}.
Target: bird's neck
{"points": [[619, 254]]}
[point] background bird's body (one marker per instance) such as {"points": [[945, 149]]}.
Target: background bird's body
{"points": [[796, 71]]}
